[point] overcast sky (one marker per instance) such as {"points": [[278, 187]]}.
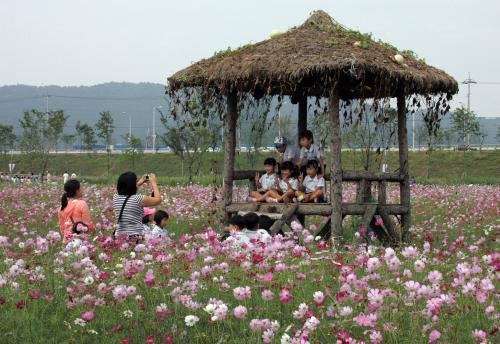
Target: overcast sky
{"points": [[86, 42]]}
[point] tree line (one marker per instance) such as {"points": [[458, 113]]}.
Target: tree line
{"points": [[191, 135]]}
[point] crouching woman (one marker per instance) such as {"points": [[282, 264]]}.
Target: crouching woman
{"points": [[74, 215]]}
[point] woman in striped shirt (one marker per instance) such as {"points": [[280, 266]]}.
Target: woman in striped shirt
{"points": [[128, 206]]}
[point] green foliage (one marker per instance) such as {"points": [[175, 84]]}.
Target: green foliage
{"points": [[87, 136], [41, 133], [229, 51], [191, 134], [68, 140], [7, 138], [464, 123], [105, 128]]}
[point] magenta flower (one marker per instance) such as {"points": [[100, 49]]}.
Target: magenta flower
{"points": [[88, 316], [285, 296]]}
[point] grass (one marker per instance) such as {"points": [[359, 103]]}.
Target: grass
{"points": [[442, 167], [41, 320]]}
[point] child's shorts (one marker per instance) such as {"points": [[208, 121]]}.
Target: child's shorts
{"points": [[320, 199]]}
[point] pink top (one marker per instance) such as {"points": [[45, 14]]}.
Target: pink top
{"points": [[78, 211]]}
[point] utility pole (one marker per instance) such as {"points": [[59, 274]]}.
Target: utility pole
{"points": [[154, 126], [468, 82]]}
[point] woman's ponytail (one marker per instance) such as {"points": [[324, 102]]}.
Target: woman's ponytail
{"points": [[64, 201], [71, 187]]}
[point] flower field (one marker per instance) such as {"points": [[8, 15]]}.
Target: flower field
{"points": [[440, 288]]}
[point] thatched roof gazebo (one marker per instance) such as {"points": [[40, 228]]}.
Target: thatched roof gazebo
{"points": [[321, 59]]}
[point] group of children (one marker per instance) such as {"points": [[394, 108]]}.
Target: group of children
{"points": [[249, 227], [155, 222], [299, 177]]}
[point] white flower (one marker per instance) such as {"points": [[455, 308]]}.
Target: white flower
{"points": [[191, 320], [285, 339], [21, 245], [89, 280], [317, 238], [128, 313], [132, 255], [312, 323], [80, 322], [209, 308]]}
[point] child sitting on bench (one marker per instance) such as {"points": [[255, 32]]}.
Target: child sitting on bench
{"points": [[311, 188], [286, 187], [264, 182]]}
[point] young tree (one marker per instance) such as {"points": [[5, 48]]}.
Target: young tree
{"points": [[41, 132], [188, 143], [105, 128], [135, 148], [56, 122], [86, 135], [68, 140], [7, 138], [464, 124]]}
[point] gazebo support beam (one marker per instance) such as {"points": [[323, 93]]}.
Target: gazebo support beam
{"points": [[336, 170], [404, 185], [229, 150], [302, 119]]}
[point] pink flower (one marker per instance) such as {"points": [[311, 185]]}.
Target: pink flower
{"points": [[285, 295], [149, 278], [419, 265], [434, 335], [375, 298], [368, 320], [345, 311], [318, 297], [88, 316], [240, 312], [372, 264], [242, 293], [479, 335], [376, 337], [267, 295], [255, 325], [120, 292], [435, 277]]}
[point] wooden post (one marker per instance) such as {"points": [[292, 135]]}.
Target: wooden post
{"points": [[404, 185], [229, 150], [336, 172], [302, 120]]}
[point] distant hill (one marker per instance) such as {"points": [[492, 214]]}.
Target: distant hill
{"points": [[136, 99], [85, 102]]}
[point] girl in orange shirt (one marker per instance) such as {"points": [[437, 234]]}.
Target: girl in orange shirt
{"points": [[73, 210]]}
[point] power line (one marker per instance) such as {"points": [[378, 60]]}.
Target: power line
{"points": [[10, 100]]}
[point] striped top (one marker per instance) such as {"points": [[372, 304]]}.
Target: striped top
{"points": [[131, 222]]}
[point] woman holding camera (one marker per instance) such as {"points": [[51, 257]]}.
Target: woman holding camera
{"points": [[128, 206]]}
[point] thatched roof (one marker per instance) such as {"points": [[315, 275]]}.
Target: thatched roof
{"points": [[310, 59]]}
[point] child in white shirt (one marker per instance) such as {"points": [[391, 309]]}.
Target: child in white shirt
{"points": [[264, 182], [285, 187], [310, 151], [251, 233], [311, 188], [160, 222]]}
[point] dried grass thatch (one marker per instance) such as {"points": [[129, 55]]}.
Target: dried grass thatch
{"points": [[310, 60]]}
